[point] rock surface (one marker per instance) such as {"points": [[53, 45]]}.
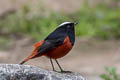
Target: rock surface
{"points": [[28, 72]]}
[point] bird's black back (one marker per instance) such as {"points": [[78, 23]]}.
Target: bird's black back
{"points": [[57, 37]]}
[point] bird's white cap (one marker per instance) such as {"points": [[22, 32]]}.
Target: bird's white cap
{"points": [[64, 23]]}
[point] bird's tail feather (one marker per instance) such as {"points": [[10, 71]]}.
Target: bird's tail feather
{"points": [[28, 58], [24, 61], [33, 55]]}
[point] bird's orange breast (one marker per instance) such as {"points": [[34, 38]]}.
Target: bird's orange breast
{"points": [[61, 50]]}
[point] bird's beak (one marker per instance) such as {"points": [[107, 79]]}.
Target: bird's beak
{"points": [[75, 23]]}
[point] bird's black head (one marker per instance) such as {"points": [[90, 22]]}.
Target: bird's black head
{"points": [[64, 29], [69, 27]]}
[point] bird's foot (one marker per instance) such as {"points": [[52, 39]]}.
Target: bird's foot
{"points": [[63, 71], [66, 72], [55, 71]]}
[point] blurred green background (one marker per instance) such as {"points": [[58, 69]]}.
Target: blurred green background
{"points": [[24, 22], [101, 21]]}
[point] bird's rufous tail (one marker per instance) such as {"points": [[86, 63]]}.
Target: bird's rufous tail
{"points": [[30, 57], [37, 45], [22, 62]]}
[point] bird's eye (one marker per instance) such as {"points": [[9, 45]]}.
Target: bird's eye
{"points": [[68, 26]]}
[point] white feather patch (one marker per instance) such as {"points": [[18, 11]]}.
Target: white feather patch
{"points": [[64, 23]]}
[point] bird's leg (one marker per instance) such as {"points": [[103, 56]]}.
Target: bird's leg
{"points": [[62, 71], [52, 64], [59, 65]]}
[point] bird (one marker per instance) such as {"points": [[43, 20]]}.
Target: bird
{"points": [[56, 45]]}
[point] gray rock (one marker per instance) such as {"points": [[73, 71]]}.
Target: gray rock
{"points": [[28, 72]]}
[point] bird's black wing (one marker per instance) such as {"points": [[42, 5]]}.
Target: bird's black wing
{"points": [[48, 45], [53, 40]]}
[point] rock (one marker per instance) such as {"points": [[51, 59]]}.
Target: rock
{"points": [[28, 72]]}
